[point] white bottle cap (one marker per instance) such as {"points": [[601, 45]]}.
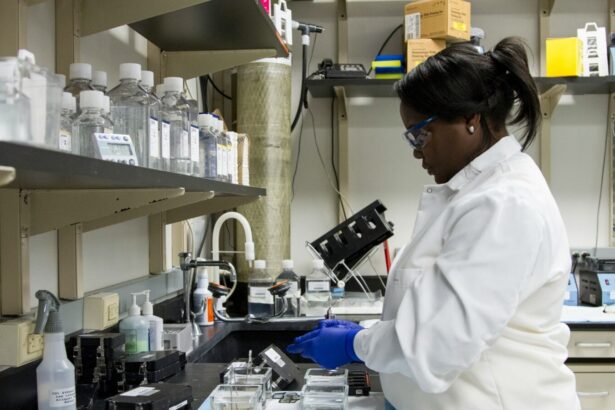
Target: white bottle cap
{"points": [[68, 101], [287, 264], [134, 309], [148, 307], [99, 78], [25, 55], [174, 84], [160, 90], [260, 264], [205, 120], [318, 264], [81, 71], [130, 71], [106, 104], [147, 78], [91, 99]]}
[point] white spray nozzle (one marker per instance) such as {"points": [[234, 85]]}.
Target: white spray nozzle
{"points": [[134, 309], [148, 307]]}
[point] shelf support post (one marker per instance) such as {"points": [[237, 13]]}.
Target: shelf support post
{"points": [[70, 262], [548, 102], [68, 31], [14, 252], [544, 13], [157, 243], [342, 148], [13, 19], [342, 32]]}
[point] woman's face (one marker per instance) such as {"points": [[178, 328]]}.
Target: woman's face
{"points": [[451, 146]]}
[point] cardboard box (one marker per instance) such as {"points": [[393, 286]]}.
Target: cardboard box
{"points": [[420, 50], [564, 57], [440, 19]]}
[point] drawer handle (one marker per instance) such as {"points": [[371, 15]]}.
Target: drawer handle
{"points": [[604, 345], [593, 394]]}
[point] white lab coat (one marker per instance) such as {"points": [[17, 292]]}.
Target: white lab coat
{"points": [[471, 318]]}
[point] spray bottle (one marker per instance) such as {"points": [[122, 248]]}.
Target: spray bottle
{"points": [[155, 324], [55, 376], [202, 300], [136, 329]]}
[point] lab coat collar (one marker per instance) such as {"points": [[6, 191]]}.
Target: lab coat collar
{"points": [[500, 151]]}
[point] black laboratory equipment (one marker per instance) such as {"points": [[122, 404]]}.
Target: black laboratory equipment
{"points": [[597, 281]]}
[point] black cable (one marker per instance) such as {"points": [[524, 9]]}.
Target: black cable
{"points": [[303, 92], [217, 89], [337, 179], [292, 187], [385, 43], [606, 144], [202, 244], [203, 85]]}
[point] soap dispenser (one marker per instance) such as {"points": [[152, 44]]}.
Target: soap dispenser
{"points": [[55, 376], [155, 324], [135, 328]]}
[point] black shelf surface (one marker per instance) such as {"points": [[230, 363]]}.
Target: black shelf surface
{"points": [[365, 87], [213, 25], [39, 168]]}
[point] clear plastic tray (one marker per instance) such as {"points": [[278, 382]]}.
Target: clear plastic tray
{"points": [[254, 376], [326, 377], [320, 397], [236, 397]]}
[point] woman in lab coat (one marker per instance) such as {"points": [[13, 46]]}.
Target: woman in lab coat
{"points": [[471, 317]]}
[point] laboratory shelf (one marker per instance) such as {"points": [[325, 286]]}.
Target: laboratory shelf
{"points": [[384, 88], [61, 189]]}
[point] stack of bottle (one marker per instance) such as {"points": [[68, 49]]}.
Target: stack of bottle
{"points": [[129, 123]]}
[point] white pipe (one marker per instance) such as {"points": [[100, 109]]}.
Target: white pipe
{"points": [[249, 245]]}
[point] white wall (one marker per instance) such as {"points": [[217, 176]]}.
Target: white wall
{"points": [[382, 167]]}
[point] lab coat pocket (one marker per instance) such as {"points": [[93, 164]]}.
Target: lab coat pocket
{"points": [[399, 282]]}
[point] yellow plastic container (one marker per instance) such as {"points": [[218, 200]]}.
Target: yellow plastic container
{"points": [[564, 57]]}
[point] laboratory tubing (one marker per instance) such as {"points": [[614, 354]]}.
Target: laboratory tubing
{"points": [[109, 126], [14, 104], [260, 300], [153, 115], [208, 146], [65, 140], [155, 324], [318, 289], [79, 79], [135, 328], [99, 81], [89, 122], [202, 300], [177, 117], [293, 295], [129, 109]]}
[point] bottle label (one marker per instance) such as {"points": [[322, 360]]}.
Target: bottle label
{"points": [[64, 142], [62, 397], [154, 138], [166, 140], [260, 294], [194, 144], [185, 145], [318, 286]]}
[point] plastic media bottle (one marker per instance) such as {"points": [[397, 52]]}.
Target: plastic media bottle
{"points": [[99, 81], [223, 157], [14, 105], [129, 109], [66, 141], [165, 133], [318, 287], [135, 328], [476, 35], [202, 297], [260, 301], [208, 146], [79, 79], [191, 107], [109, 126], [155, 324], [293, 295], [55, 376], [89, 122], [153, 115], [177, 117]]}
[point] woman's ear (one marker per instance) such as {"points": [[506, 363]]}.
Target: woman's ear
{"points": [[472, 123]]}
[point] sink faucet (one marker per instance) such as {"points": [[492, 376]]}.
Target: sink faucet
{"points": [[248, 246]]}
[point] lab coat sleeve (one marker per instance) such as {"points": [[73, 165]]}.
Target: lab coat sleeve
{"points": [[456, 309]]}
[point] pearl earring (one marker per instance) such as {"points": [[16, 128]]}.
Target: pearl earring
{"points": [[471, 129]]}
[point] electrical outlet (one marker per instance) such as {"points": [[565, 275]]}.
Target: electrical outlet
{"points": [[35, 343], [18, 344], [100, 310]]}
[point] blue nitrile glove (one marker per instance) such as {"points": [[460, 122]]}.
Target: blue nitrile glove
{"points": [[338, 323], [330, 347]]}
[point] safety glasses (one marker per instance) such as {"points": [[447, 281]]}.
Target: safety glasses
{"points": [[417, 135]]}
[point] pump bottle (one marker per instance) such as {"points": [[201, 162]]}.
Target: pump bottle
{"points": [[202, 297], [135, 328], [155, 324]]}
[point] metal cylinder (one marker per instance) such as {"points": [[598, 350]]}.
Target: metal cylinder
{"points": [[263, 112]]}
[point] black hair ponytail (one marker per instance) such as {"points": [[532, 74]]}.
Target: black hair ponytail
{"points": [[460, 82]]}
